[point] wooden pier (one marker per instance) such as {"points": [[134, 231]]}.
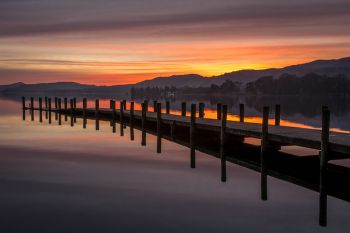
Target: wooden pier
{"points": [[226, 140]]}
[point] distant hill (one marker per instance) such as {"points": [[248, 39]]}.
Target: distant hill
{"points": [[321, 67]]}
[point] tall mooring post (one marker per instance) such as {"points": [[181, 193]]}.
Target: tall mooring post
{"points": [[159, 125], [183, 109], [223, 142], [323, 166], [114, 115], [32, 108], [263, 154], [192, 136], [84, 113], [167, 107], [71, 105], [24, 108], [46, 108], [49, 99], [65, 109], [201, 107], [97, 115], [121, 118], [143, 122], [59, 112], [155, 105], [218, 111], [241, 112], [132, 137], [40, 109]]}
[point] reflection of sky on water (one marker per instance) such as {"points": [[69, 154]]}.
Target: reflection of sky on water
{"points": [[67, 179]]}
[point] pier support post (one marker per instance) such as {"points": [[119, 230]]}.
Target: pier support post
{"points": [[132, 137], [49, 99], [56, 116], [159, 125], [97, 115], [323, 166], [32, 108], [143, 123], [84, 112], [277, 114], [75, 108], [124, 104], [155, 105], [65, 109], [40, 109], [46, 108], [121, 118], [241, 112], [263, 154], [223, 142], [167, 107], [218, 111], [183, 109], [24, 108], [113, 115], [59, 112], [192, 136], [71, 102], [201, 107]]}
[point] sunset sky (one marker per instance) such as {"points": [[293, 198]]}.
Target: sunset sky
{"points": [[125, 41]]}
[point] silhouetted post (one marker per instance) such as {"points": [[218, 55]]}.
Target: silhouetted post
{"points": [[84, 112], [121, 118], [277, 114], [201, 107], [59, 112], [124, 104], [40, 109], [56, 116], [223, 142], [24, 108], [65, 109], [155, 105], [32, 108], [49, 99], [159, 127], [143, 123], [71, 102], [192, 135], [113, 115], [183, 109], [132, 121], [264, 147], [218, 111], [241, 112], [146, 105], [46, 108], [97, 108], [323, 166], [167, 107], [75, 108]]}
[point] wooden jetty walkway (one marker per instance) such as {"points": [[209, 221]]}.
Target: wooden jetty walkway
{"points": [[226, 140]]}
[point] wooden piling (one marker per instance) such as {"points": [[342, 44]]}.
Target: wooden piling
{"points": [[46, 108], [323, 166], [183, 109], [167, 107], [143, 123], [121, 118], [40, 109], [263, 154], [155, 102], [24, 108], [59, 112], [97, 115], [32, 108], [84, 113], [49, 99], [218, 111], [241, 112], [277, 114], [56, 116], [113, 115], [192, 136], [223, 142], [132, 121], [124, 104], [65, 109], [159, 127], [71, 102], [201, 107], [75, 108]]}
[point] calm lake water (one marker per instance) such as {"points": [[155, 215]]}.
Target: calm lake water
{"points": [[69, 179]]}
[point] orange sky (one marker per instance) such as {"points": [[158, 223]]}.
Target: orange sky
{"points": [[121, 43]]}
